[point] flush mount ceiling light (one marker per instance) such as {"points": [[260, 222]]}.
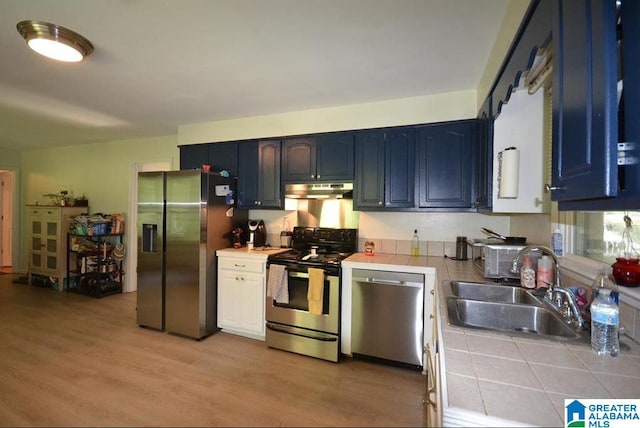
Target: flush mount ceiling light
{"points": [[54, 41]]}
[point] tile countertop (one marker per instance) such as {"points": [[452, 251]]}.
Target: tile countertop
{"points": [[383, 261], [492, 379], [260, 253]]}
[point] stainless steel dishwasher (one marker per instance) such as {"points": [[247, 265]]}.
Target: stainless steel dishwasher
{"points": [[387, 318]]}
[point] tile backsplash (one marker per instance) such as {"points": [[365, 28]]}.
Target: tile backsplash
{"points": [[427, 248]]}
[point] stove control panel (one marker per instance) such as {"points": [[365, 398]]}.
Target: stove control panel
{"points": [[324, 234]]}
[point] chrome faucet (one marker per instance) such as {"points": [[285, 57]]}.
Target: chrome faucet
{"points": [[572, 306], [554, 289]]}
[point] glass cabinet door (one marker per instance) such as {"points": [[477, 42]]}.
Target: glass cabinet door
{"points": [[44, 244]]}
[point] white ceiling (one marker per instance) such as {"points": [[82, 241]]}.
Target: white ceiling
{"points": [[159, 64]]}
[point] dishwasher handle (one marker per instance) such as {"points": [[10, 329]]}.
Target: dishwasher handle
{"points": [[396, 283], [402, 279]]}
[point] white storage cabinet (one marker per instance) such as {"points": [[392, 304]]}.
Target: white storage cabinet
{"points": [[241, 295]]}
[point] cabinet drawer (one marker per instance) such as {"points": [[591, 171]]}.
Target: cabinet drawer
{"points": [[243, 265], [45, 212]]}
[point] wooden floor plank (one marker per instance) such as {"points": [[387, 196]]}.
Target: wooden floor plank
{"points": [[72, 360]]}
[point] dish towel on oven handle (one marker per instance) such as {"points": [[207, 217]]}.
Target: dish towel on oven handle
{"points": [[316, 290], [277, 284]]}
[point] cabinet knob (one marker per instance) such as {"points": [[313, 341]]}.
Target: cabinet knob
{"points": [[549, 188], [317, 176], [313, 176], [379, 202]]}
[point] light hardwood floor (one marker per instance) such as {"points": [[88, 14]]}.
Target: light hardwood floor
{"points": [[71, 360]]}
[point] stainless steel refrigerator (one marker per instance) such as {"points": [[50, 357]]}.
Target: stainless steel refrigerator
{"points": [[183, 218]]}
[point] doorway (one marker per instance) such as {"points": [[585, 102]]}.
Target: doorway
{"points": [[6, 220], [131, 280]]}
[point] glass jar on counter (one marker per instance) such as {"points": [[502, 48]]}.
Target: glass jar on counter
{"points": [[369, 248]]}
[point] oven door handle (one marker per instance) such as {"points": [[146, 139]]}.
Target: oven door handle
{"points": [[300, 332], [296, 274]]}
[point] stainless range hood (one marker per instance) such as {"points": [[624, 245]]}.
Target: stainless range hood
{"points": [[319, 191]]}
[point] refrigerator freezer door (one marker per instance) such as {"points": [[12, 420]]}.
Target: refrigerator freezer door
{"points": [[184, 303], [150, 312]]}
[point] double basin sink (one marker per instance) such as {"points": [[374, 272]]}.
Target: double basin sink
{"points": [[507, 309]]}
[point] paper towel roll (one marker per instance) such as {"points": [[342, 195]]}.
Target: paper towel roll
{"points": [[508, 172]]}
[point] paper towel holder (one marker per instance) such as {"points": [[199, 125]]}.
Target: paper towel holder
{"points": [[508, 173]]}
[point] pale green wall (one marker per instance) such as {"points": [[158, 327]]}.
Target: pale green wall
{"points": [[9, 159], [510, 23], [102, 172], [405, 111]]}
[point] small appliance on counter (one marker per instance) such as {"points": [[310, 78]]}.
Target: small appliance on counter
{"points": [[257, 233], [461, 248], [286, 235], [496, 261], [236, 236], [285, 239]]}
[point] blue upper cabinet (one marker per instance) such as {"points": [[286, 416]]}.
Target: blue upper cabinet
{"points": [[325, 157], [193, 156], [629, 197], [224, 157], [248, 196], [221, 156], [385, 169], [585, 113], [446, 165], [368, 189], [259, 181], [399, 171], [335, 156], [299, 159]]}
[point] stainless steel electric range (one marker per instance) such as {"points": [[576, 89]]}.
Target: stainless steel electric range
{"points": [[300, 322]]}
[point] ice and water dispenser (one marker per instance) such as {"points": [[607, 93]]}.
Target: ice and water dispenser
{"points": [[149, 238]]}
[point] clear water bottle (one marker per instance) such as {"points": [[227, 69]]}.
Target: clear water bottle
{"points": [[556, 242], [605, 319], [605, 279]]}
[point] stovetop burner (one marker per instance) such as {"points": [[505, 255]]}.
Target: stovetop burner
{"points": [[331, 247]]}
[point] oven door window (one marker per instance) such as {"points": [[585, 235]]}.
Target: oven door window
{"points": [[298, 289]]}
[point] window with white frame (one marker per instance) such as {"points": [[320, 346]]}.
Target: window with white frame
{"points": [[599, 235]]}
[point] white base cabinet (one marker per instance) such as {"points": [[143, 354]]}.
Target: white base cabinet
{"points": [[241, 296]]}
